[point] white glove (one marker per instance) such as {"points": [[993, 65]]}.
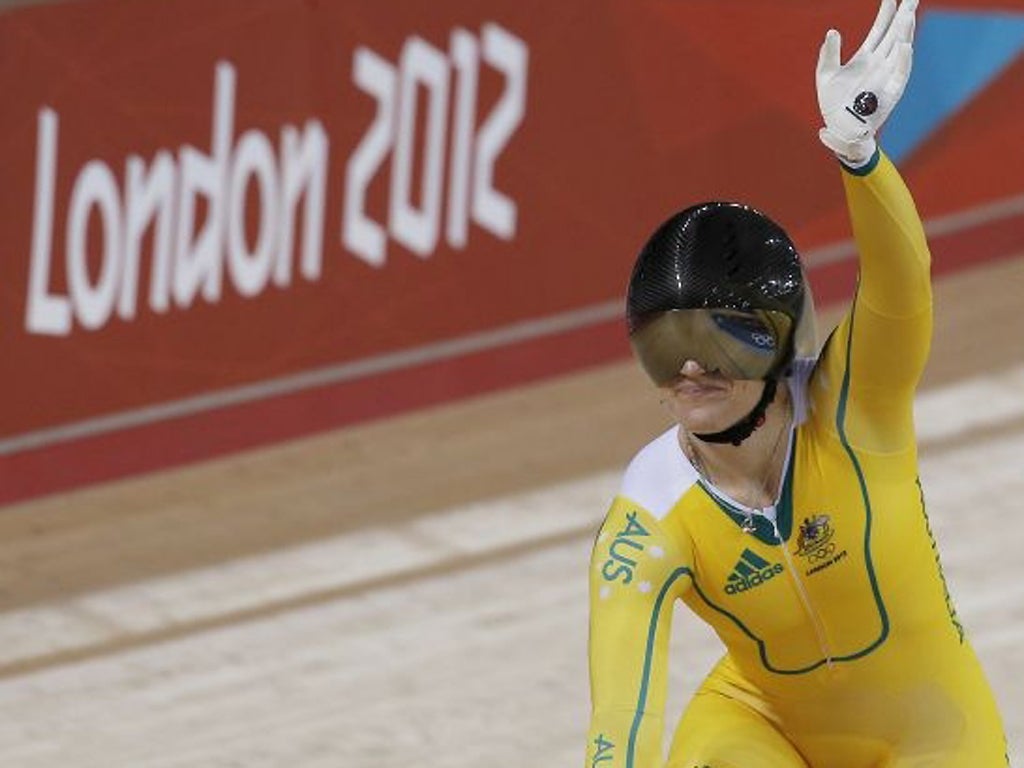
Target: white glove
{"points": [[855, 98]]}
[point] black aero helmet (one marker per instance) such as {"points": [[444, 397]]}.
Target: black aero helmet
{"points": [[719, 283]]}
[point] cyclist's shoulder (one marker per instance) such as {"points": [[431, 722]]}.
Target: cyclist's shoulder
{"points": [[658, 475]]}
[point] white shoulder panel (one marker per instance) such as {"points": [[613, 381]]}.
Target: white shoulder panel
{"points": [[659, 475]]}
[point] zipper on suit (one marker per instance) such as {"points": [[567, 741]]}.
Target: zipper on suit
{"points": [[819, 628]]}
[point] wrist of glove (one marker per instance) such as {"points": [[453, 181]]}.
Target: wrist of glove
{"points": [[856, 98], [854, 153]]}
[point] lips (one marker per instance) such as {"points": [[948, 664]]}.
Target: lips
{"points": [[690, 388]]}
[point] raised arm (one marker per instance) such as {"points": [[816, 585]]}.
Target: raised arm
{"points": [[874, 359], [636, 574]]}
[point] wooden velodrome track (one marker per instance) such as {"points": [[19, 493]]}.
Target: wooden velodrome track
{"points": [[412, 592]]}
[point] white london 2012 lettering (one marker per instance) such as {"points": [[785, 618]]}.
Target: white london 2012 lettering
{"points": [[158, 203], [163, 197], [471, 191]]}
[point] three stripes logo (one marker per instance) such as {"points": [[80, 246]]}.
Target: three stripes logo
{"points": [[751, 571]]}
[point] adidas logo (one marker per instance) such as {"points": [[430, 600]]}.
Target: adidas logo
{"points": [[751, 571]]}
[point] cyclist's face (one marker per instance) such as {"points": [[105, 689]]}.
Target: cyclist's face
{"points": [[704, 401]]}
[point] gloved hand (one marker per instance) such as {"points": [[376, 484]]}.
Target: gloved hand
{"points": [[856, 98]]}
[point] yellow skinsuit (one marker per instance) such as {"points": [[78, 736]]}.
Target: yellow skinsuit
{"points": [[843, 647]]}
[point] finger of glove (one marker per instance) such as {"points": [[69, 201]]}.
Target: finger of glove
{"points": [[901, 30], [910, 8], [900, 63], [829, 55], [882, 23]]}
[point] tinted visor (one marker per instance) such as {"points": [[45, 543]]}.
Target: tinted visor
{"points": [[737, 344]]}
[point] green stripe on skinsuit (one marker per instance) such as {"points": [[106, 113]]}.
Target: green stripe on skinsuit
{"points": [[648, 657], [841, 428]]}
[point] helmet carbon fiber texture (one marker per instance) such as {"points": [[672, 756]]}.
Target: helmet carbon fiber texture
{"points": [[733, 262]]}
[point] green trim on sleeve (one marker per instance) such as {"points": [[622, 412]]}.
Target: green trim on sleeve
{"points": [[844, 395], [864, 170], [645, 678]]}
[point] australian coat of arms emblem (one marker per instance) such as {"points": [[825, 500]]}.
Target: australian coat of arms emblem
{"points": [[815, 534]]}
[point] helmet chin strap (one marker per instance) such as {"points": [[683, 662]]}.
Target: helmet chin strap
{"points": [[745, 427]]}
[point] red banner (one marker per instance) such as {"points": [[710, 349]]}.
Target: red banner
{"points": [[228, 223]]}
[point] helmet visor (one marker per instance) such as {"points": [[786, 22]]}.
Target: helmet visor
{"points": [[738, 344]]}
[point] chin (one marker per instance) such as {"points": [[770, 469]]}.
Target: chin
{"points": [[705, 419]]}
